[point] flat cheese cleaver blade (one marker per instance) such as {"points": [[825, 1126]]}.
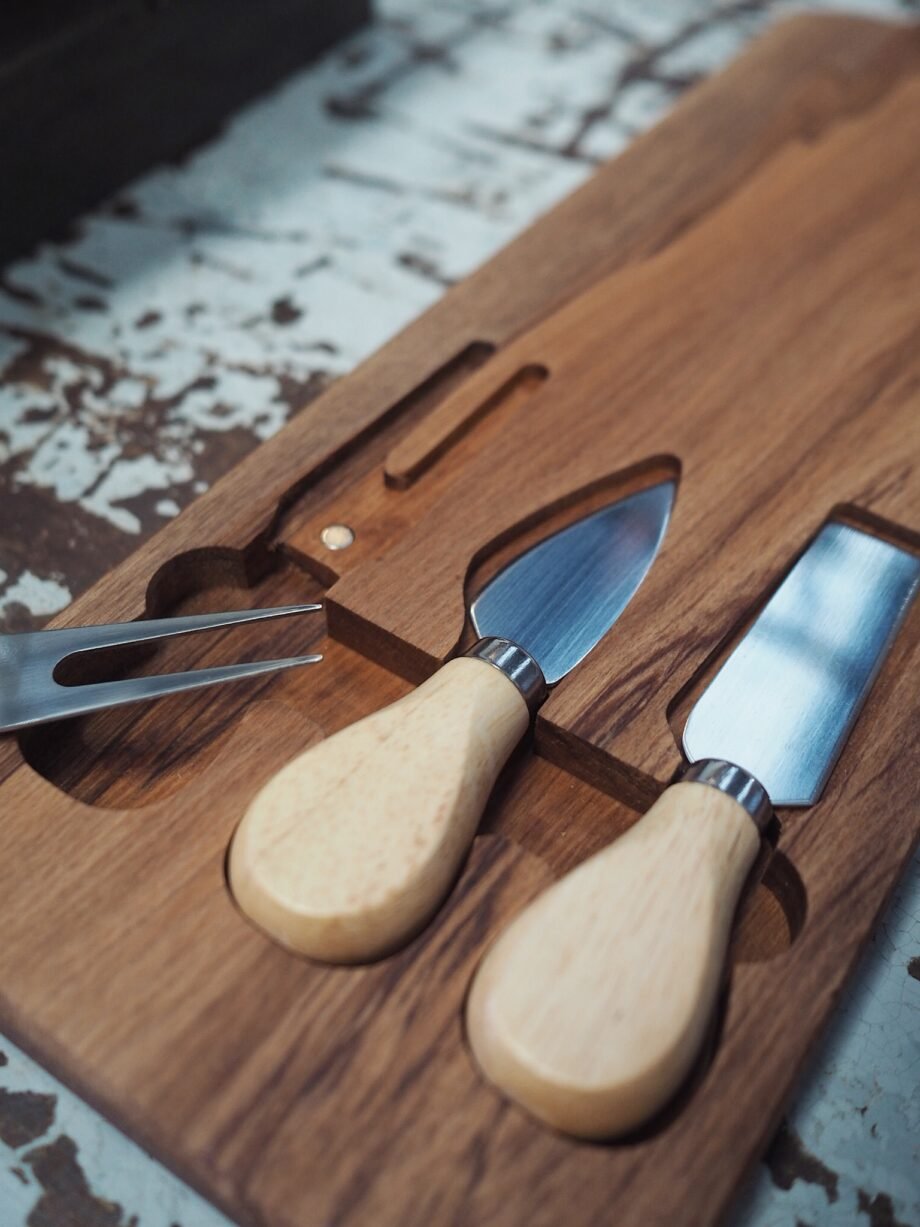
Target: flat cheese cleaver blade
{"points": [[591, 1008], [349, 850], [783, 704]]}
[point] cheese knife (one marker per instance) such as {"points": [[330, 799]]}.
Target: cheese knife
{"points": [[348, 851], [592, 1006]]}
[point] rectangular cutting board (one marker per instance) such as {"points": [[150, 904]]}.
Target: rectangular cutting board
{"points": [[734, 302]]}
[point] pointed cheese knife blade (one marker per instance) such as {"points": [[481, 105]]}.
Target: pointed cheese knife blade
{"points": [[350, 849], [591, 1008], [563, 595]]}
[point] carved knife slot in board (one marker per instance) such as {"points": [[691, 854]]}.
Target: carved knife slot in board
{"points": [[725, 304]]}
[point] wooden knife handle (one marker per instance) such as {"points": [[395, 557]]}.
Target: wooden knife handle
{"points": [[350, 848], [591, 1007]]}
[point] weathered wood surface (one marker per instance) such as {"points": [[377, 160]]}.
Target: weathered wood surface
{"points": [[220, 1066]]}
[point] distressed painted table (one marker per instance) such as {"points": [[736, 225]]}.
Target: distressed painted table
{"points": [[187, 319]]}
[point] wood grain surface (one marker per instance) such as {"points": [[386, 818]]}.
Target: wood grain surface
{"points": [[772, 209]]}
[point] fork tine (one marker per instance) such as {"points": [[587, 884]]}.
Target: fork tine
{"points": [[69, 640], [29, 695], [79, 700]]}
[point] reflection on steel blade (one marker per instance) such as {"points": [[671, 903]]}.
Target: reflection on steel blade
{"points": [[561, 596], [783, 704]]}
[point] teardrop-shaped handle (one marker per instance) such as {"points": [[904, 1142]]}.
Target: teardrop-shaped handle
{"points": [[591, 1007], [350, 849]]}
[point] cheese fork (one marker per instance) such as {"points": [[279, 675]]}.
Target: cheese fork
{"points": [[30, 693]]}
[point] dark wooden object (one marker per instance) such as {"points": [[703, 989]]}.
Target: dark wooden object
{"points": [[93, 93], [294, 1094]]}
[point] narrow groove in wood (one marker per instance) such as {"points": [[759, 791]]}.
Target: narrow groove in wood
{"points": [[440, 430]]}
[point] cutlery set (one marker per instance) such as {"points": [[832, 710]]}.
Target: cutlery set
{"points": [[591, 1008], [731, 305]]}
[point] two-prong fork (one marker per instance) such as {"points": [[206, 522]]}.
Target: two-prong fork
{"points": [[30, 693]]}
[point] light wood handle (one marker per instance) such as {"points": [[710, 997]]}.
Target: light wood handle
{"points": [[591, 1007], [349, 850]]}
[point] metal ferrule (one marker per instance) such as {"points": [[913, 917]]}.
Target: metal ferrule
{"points": [[737, 783], [516, 664]]}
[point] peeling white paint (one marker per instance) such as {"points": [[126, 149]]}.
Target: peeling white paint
{"points": [[115, 1168], [42, 595], [126, 479], [65, 463], [716, 44]]}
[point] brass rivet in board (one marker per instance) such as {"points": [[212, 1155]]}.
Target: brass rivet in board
{"points": [[337, 536]]}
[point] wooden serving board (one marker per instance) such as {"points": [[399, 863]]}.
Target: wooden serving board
{"points": [[732, 302]]}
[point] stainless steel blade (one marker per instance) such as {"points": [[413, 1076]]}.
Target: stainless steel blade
{"points": [[561, 596], [783, 704]]}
